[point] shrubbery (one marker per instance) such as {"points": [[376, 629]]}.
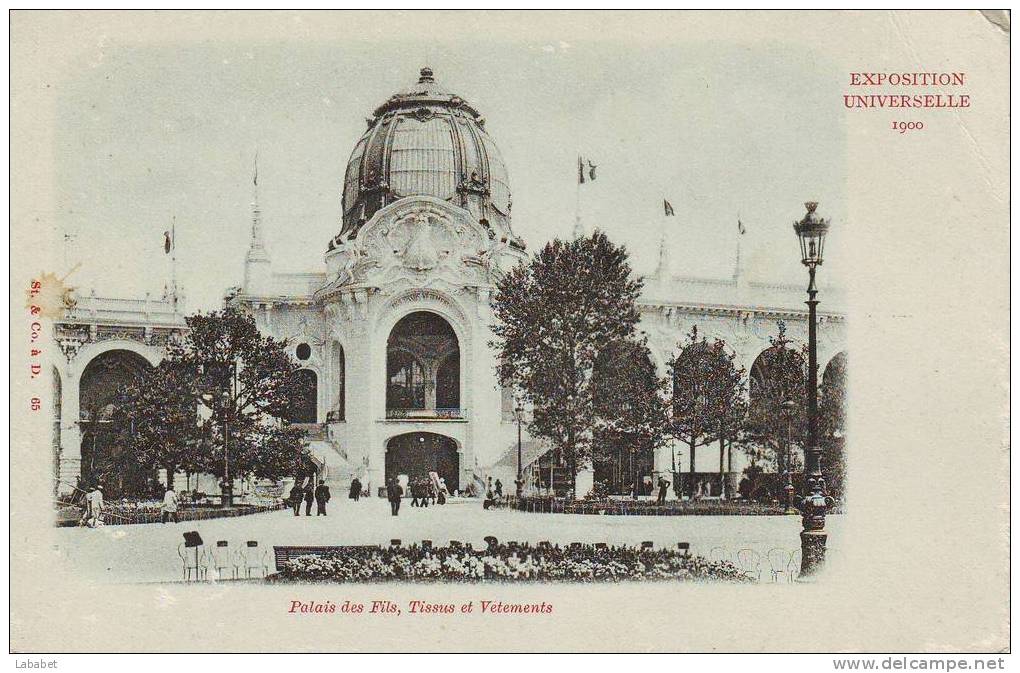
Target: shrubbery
{"points": [[626, 506], [508, 563]]}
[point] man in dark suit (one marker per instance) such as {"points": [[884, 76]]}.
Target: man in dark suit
{"points": [[297, 494], [309, 499], [393, 493], [663, 487], [321, 498]]}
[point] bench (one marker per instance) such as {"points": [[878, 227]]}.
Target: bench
{"points": [[284, 554]]}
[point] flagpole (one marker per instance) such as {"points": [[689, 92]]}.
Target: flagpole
{"points": [[662, 271], [737, 270], [173, 259], [578, 231]]}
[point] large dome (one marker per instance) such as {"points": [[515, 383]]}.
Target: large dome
{"points": [[425, 141]]}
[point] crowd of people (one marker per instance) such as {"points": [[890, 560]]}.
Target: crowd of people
{"points": [[508, 563], [423, 491]]}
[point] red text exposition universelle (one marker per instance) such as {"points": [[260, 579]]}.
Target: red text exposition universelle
{"points": [[906, 90]]}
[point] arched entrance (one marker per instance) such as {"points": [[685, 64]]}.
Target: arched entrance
{"points": [[778, 374], [415, 454], [103, 456], [304, 397], [777, 408], [422, 368]]}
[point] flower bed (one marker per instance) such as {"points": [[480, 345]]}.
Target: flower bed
{"points": [[627, 507], [507, 563], [117, 513]]}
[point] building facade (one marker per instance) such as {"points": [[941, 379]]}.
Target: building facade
{"points": [[392, 333]]}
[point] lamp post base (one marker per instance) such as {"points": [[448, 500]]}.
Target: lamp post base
{"points": [[812, 550]]}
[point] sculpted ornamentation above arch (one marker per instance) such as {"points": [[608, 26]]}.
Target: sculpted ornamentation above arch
{"points": [[423, 239], [427, 299]]}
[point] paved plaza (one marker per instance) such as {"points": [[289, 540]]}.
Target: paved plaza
{"points": [[148, 552]]}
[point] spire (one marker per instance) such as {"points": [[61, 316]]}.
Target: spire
{"points": [[662, 270], [257, 273], [257, 247]]}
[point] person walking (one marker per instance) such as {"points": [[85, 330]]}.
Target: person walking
{"points": [[663, 487], [355, 493], [499, 490], [321, 498], [412, 485], [309, 499], [169, 505], [393, 493], [94, 507], [297, 494]]}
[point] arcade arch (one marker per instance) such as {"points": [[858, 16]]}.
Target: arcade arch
{"points": [[423, 375]]}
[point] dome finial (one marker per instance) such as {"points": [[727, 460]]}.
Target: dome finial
{"points": [[426, 75]]}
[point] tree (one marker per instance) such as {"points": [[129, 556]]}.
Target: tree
{"points": [[778, 381], [708, 390], [222, 396], [554, 315], [218, 403], [247, 384], [159, 422], [630, 404]]}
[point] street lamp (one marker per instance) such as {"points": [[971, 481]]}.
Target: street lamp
{"points": [[207, 374], [811, 231], [789, 406], [228, 488], [519, 410]]}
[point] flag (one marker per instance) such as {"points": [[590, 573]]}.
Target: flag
{"points": [[669, 208], [740, 227], [580, 170], [591, 170], [585, 174], [168, 242]]}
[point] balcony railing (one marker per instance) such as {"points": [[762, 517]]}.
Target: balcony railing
{"points": [[427, 414]]}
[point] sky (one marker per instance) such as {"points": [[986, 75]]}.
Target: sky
{"points": [[153, 131]]}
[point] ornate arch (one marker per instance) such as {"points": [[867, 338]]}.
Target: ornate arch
{"points": [[435, 359], [434, 429], [152, 354]]}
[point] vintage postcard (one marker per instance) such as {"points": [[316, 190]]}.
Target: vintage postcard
{"points": [[510, 331]]}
